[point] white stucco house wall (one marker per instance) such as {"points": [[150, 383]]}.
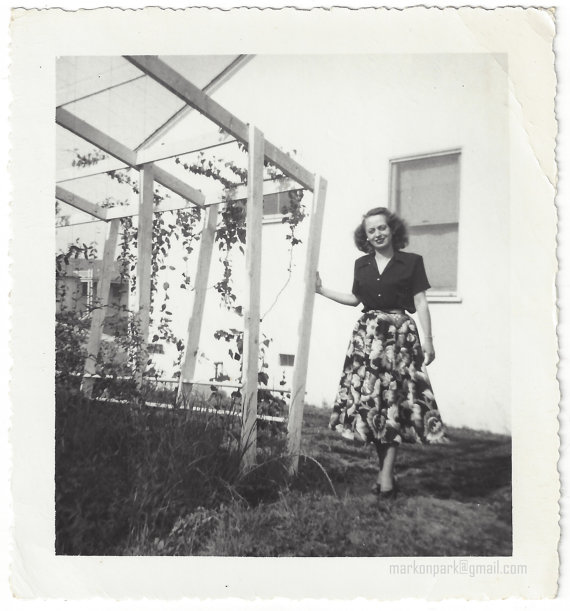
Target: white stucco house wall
{"points": [[351, 119], [383, 129]]}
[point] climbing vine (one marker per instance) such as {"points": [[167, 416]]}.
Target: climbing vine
{"points": [[75, 250], [184, 226]]}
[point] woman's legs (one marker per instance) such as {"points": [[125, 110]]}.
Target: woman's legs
{"points": [[387, 472], [387, 460], [381, 451]]}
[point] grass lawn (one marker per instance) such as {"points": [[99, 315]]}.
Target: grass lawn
{"points": [[455, 500]]}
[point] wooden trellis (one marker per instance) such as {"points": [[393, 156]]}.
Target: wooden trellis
{"points": [[144, 160]]}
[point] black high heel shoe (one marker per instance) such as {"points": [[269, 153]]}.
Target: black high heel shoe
{"points": [[385, 494]]}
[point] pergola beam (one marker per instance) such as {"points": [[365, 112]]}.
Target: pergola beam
{"points": [[149, 155], [80, 203], [95, 136], [270, 187], [124, 154], [102, 167], [214, 84], [119, 212], [178, 186], [180, 86], [201, 142], [72, 100]]}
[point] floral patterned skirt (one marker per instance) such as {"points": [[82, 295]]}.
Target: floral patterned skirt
{"points": [[384, 396]]}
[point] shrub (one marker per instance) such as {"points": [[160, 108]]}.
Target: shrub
{"points": [[70, 338]]}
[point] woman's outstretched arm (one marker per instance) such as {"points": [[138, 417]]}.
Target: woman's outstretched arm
{"points": [[421, 303], [344, 298]]}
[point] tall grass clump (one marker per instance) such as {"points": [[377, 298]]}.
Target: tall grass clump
{"points": [[126, 473], [121, 471]]}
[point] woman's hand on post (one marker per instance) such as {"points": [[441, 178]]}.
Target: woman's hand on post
{"points": [[344, 298], [428, 350], [318, 283]]}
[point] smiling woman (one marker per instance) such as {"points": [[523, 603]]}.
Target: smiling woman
{"points": [[385, 396]]}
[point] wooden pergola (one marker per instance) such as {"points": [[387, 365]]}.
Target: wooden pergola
{"points": [[144, 159]]}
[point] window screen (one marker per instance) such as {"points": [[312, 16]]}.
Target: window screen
{"points": [[286, 360], [276, 203], [425, 193]]}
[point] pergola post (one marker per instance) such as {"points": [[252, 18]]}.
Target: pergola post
{"points": [[144, 260], [98, 315], [254, 215], [302, 357], [200, 287]]}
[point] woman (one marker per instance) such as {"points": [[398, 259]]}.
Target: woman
{"points": [[384, 396]]}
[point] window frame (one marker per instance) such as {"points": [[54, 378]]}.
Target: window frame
{"points": [[433, 295]]}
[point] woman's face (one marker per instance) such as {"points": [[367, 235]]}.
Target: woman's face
{"points": [[378, 232]]}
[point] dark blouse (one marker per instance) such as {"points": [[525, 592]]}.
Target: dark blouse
{"points": [[402, 278]]}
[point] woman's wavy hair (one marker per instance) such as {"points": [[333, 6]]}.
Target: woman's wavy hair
{"points": [[397, 226]]}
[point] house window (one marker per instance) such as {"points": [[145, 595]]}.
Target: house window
{"points": [[155, 349], [219, 374], [286, 360], [89, 292], [425, 193], [275, 205]]}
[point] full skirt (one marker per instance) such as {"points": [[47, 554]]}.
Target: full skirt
{"points": [[385, 396]]}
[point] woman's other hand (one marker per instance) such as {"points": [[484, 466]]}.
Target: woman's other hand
{"points": [[318, 283], [429, 352], [422, 308]]}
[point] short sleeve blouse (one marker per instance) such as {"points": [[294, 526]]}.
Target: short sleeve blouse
{"points": [[402, 278]]}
